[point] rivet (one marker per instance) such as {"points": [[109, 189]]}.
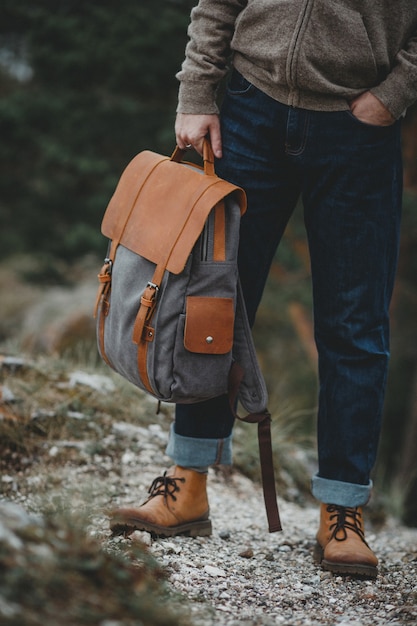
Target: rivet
{"points": [[209, 339]]}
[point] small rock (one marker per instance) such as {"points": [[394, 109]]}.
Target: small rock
{"points": [[141, 537], [246, 554], [42, 414], [214, 571], [130, 431], [9, 609], [76, 415], [128, 457], [95, 381], [170, 547], [224, 596], [6, 395], [12, 363], [224, 534], [284, 548]]}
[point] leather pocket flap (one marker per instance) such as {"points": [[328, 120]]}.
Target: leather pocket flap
{"points": [[209, 325]]}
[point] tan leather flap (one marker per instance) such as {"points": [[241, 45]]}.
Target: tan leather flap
{"points": [[209, 325], [159, 208]]}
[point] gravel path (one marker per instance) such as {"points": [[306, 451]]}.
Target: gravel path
{"points": [[242, 575]]}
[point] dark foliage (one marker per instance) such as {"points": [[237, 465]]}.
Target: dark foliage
{"points": [[99, 86]]}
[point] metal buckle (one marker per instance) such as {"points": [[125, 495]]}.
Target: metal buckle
{"points": [[152, 285], [109, 262]]}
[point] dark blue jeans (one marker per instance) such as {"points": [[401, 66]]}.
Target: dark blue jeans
{"points": [[349, 175]]}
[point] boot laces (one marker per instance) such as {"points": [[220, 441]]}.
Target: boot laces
{"points": [[165, 486], [339, 528]]}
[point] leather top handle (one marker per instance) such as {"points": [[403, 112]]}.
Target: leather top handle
{"points": [[208, 157]]}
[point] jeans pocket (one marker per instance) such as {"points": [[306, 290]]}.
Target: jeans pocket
{"points": [[366, 124], [238, 85]]}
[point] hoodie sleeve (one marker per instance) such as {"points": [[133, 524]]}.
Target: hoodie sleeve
{"points": [[399, 90], [207, 54]]}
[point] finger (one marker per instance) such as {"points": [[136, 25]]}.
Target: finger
{"points": [[216, 138], [180, 133], [198, 146], [182, 142]]}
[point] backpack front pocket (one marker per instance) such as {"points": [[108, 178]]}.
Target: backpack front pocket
{"points": [[209, 325]]}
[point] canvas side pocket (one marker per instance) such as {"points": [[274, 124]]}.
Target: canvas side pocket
{"points": [[203, 350]]}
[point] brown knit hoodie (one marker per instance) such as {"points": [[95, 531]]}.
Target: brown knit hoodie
{"points": [[313, 54]]}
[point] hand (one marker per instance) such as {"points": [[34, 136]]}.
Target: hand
{"points": [[192, 129], [368, 109]]}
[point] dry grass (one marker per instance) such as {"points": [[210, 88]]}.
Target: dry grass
{"points": [[58, 575], [51, 571]]}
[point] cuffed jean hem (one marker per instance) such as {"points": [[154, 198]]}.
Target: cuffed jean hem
{"points": [[339, 492], [198, 452]]}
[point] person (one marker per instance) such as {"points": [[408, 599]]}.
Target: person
{"points": [[315, 94]]}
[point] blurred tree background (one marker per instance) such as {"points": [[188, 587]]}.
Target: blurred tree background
{"points": [[84, 86]]}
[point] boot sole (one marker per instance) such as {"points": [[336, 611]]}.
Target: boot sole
{"points": [[126, 527], [350, 569]]}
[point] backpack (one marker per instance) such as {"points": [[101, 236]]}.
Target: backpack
{"points": [[170, 313]]}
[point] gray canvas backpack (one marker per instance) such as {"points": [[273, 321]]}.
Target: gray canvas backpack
{"points": [[170, 313]]}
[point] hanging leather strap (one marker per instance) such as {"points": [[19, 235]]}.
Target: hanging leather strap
{"points": [[265, 448]]}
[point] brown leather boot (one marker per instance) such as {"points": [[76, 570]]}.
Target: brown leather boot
{"points": [[177, 505], [341, 547]]}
